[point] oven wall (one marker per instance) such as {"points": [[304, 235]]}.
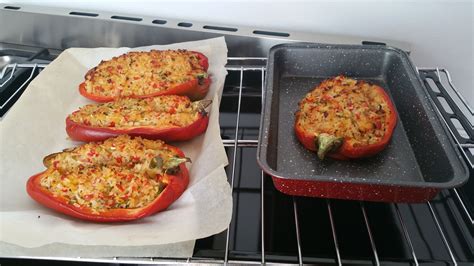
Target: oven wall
{"points": [[440, 33]]}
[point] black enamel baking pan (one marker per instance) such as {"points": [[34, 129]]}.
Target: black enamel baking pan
{"points": [[420, 160]]}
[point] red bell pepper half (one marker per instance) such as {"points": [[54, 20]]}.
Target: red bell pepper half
{"points": [[195, 89], [339, 147], [175, 179], [80, 126]]}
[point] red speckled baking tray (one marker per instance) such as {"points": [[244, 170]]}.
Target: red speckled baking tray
{"points": [[420, 160]]}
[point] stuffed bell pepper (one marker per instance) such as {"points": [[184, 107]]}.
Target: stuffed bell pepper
{"points": [[148, 74], [120, 179], [344, 118], [169, 118]]}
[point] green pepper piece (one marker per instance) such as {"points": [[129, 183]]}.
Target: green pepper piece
{"points": [[156, 162]]}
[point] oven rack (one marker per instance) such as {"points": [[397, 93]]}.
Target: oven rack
{"points": [[458, 133], [8, 74], [13, 71], [240, 66]]}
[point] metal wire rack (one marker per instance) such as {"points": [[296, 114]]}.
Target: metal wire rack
{"points": [[238, 143], [243, 68], [450, 111], [8, 74]]}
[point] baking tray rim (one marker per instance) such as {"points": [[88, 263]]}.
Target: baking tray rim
{"points": [[454, 182]]}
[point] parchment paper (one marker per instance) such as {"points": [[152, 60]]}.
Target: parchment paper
{"points": [[35, 127]]}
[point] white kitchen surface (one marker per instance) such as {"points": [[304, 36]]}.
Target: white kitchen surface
{"points": [[440, 32]]}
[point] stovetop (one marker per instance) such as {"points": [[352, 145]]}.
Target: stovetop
{"points": [[270, 227]]}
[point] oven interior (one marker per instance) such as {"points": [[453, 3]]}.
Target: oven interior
{"points": [[270, 227]]}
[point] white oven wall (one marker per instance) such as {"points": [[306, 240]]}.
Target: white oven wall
{"points": [[440, 32]]}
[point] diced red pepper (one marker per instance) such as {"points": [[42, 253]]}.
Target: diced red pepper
{"points": [[378, 124], [91, 153], [88, 197]]}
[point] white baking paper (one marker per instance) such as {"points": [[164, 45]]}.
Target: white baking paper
{"points": [[35, 127]]}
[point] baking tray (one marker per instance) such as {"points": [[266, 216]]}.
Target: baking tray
{"points": [[420, 160]]}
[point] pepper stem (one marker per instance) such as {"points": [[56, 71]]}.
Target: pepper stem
{"points": [[157, 162], [175, 161], [201, 78], [327, 143], [170, 166], [201, 105]]}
